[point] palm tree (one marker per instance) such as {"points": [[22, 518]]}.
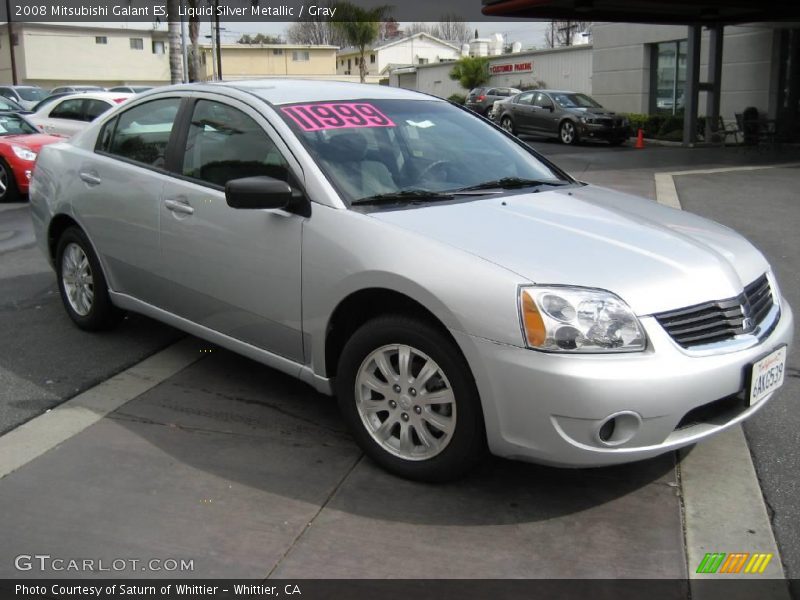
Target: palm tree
{"points": [[471, 71], [174, 37], [360, 27]]}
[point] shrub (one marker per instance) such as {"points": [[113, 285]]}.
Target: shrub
{"points": [[457, 98]]}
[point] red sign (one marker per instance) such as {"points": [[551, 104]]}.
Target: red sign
{"points": [[506, 68]]}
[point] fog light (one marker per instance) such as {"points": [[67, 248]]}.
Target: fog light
{"points": [[607, 430], [619, 428]]}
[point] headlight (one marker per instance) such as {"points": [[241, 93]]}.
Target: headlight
{"points": [[573, 319], [24, 153]]}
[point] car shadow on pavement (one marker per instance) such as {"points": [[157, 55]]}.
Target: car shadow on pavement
{"points": [[235, 419]]}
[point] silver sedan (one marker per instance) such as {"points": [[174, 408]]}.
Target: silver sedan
{"points": [[455, 290]]}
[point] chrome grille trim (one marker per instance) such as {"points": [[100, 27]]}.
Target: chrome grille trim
{"points": [[723, 320]]}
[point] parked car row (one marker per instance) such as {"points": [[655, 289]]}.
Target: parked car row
{"points": [[23, 133], [29, 96]]}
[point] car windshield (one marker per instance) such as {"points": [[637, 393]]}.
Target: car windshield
{"points": [[575, 101], [15, 125], [386, 147], [31, 94]]}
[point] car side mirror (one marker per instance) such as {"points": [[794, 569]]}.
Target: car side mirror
{"points": [[258, 193]]}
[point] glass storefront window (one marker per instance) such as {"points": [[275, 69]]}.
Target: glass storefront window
{"points": [[669, 77]]}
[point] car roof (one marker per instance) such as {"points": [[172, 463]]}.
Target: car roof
{"points": [[97, 95], [288, 91]]}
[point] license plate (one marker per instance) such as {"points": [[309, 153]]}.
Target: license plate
{"points": [[766, 375]]}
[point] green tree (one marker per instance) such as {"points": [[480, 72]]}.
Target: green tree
{"points": [[360, 27], [471, 71]]}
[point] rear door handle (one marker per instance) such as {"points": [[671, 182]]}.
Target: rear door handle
{"points": [[179, 206], [90, 177]]}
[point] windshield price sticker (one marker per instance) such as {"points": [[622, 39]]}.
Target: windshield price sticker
{"points": [[337, 115]]}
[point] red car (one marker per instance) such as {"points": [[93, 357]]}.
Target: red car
{"points": [[20, 143]]}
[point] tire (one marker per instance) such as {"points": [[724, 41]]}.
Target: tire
{"points": [[568, 133], [507, 124], [421, 440], [82, 285], [9, 192]]}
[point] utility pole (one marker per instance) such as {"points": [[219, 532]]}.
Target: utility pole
{"points": [[219, 43], [213, 52], [11, 51]]}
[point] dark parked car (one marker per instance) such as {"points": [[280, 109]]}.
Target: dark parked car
{"points": [[570, 116], [481, 99]]}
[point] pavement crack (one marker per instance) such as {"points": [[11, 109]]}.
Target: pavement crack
{"points": [[316, 514]]}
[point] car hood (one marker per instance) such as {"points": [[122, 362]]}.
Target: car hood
{"points": [[34, 141], [654, 257]]}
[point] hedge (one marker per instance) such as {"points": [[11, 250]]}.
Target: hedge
{"points": [[663, 127], [457, 98]]}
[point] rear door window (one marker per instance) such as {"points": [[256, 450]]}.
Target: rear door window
{"points": [[142, 133]]}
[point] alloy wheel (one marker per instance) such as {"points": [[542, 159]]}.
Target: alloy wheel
{"points": [[567, 132], [405, 402], [76, 274], [3, 182]]}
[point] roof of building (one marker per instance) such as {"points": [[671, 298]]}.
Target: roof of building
{"points": [[273, 46], [382, 44]]}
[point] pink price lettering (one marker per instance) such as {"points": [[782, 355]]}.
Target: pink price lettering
{"points": [[338, 115]]}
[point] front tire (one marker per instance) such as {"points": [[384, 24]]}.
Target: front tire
{"points": [[568, 133], [409, 398], [83, 287], [9, 192]]}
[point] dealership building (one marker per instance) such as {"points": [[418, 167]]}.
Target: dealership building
{"points": [[645, 68]]}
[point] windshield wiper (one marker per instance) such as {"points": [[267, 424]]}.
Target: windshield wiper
{"points": [[404, 196], [508, 183]]}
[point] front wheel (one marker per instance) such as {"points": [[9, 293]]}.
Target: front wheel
{"points": [[409, 398], [568, 134]]}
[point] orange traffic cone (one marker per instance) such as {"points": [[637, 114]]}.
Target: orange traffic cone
{"points": [[640, 139]]}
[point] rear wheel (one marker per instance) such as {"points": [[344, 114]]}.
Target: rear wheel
{"points": [[507, 124], [83, 288], [567, 133], [9, 192], [409, 398]]}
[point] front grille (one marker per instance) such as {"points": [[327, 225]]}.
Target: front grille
{"points": [[719, 321]]}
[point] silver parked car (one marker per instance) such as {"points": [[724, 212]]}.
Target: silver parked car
{"points": [[453, 288]]}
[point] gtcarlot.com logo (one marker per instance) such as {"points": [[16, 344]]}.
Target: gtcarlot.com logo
{"points": [[734, 563], [46, 562]]}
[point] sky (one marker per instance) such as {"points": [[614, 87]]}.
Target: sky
{"points": [[529, 33]]}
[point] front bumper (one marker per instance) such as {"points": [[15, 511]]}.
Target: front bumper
{"points": [[549, 408], [603, 132]]}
